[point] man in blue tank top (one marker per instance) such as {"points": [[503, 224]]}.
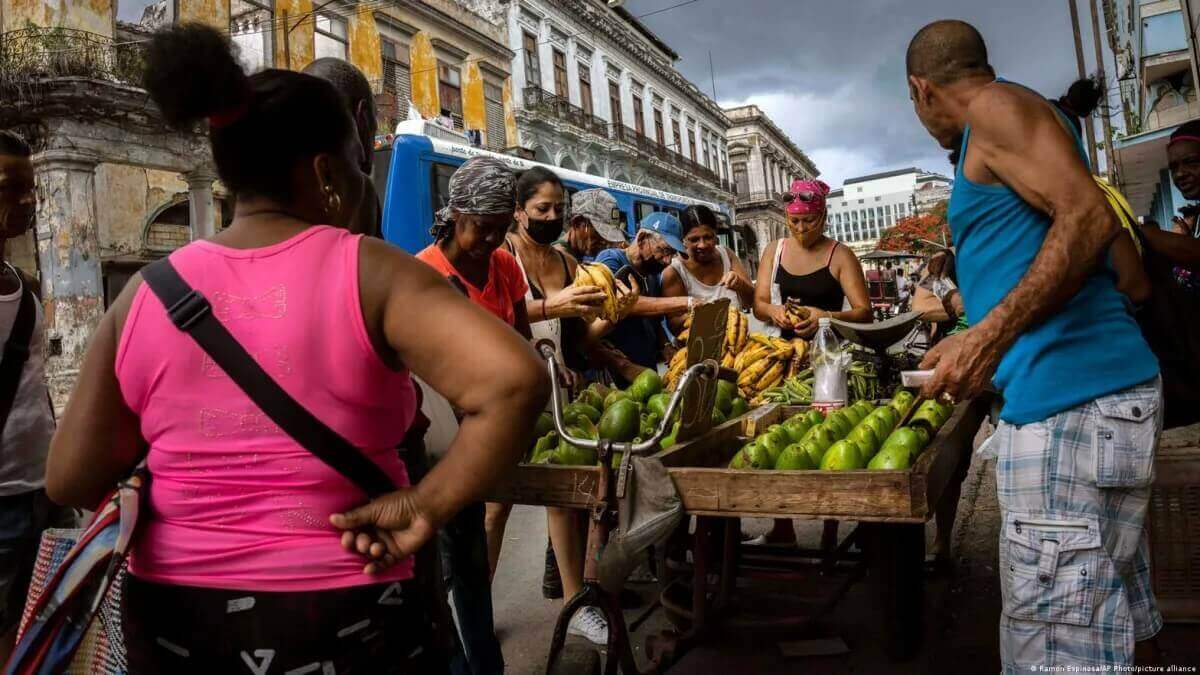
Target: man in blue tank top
{"points": [[1082, 398]]}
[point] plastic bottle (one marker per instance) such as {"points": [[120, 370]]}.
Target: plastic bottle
{"points": [[830, 360]]}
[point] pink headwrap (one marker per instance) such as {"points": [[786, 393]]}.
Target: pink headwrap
{"points": [[806, 196]]}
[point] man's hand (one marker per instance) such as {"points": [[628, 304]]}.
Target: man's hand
{"points": [[386, 529], [962, 364], [737, 282]]}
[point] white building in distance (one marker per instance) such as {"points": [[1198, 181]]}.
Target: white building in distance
{"points": [[596, 91], [865, 206], [764, 162]]}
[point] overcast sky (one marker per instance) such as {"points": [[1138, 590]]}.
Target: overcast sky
{"points": [[831, 72]]}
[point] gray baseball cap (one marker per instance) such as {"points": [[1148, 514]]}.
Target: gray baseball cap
{"points": [[600, 208]]}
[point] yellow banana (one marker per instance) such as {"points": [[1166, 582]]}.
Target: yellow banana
{"points": [[801, 350], [753, 372], [731, 327], [784, 352], [743, 331], [727, 361], [778, 342], [683, 337], [751, 355], [761, 339], [770, 377]]}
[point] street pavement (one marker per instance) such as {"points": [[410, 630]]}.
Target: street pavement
{"points": [[961, 608]]}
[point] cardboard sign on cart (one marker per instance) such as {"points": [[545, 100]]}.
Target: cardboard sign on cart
{"points": [[706, 340]]}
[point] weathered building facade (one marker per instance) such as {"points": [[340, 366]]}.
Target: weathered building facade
{"points": [[597, 91], [117, 188], [763, 161]]}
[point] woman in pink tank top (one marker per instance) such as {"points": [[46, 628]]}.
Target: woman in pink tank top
{"points": [[238, 563]]}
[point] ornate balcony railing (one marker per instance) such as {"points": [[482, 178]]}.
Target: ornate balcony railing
{"points": [[544, 102], [35, 53]]}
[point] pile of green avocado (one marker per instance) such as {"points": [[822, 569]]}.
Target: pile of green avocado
{"points": [[629, 414], [856, 437]]}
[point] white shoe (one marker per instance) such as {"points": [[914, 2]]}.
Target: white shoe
{"points": [[760, 540], [589, 624]]}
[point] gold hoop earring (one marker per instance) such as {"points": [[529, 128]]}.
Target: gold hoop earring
{"points": [[333, 201]]}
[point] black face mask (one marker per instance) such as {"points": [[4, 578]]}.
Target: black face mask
{"points": [[545, 232], [652, 266]]}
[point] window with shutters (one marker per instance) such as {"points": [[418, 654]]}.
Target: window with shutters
{"points": [[704, 152], [639, 117], [397, 84], [493, 104], [450, 92], [692, 143], [533, 70], [741, 179], [585, 88], [675, 135], [614, 101], [560, 74], [330, 38], [250, 24], [659, 134]]}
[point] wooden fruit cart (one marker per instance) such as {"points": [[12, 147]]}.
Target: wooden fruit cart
{"points": [[889, 507]]}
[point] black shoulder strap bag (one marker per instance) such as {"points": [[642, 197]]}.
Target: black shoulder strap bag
{"points": [[16, 350], [191, 313]]}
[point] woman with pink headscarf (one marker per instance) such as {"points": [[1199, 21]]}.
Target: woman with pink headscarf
{"points": [[809, 268]]}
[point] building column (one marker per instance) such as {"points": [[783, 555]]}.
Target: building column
{"points": [[69, 257], [201, 212]]}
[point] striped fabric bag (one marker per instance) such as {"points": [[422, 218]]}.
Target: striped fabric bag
{"points": [[71, 622]]}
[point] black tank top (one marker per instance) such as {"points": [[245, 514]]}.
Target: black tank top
{"points": [[818, 289]]}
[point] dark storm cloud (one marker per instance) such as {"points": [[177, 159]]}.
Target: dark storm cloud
{"points": [[831, 73]]}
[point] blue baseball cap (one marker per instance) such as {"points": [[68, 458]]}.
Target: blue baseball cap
{"points": [[666, 226]]}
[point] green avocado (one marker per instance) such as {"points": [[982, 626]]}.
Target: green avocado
{"points": [[645, 385], [774, 442], [620, 421], [843, 456], [726, 392], [592, 398], [894, 458], [797, 429], [794, 458], [614, 396], [576, 410], [738, 408], [814, 416], [658, 403]]}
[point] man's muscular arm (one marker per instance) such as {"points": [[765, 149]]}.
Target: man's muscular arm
{"points": [[1022, 142], [1018, 140]]}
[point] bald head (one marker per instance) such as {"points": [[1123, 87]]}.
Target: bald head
{"points": [[947, 51], [356, 92]]}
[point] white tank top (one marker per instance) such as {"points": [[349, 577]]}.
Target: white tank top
{"points": [[548, 330], [25, 439], [701, 291]]}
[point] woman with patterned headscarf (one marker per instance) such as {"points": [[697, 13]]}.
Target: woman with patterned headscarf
{"points": [[467, 251], [467, 238], [809, 268]]}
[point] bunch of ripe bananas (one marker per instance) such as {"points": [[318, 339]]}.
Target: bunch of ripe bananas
{"points": [[767, 361], [737, 334], [617, 303], [796, 312]]}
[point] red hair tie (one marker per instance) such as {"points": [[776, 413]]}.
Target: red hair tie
{"points": [[1177, 139], [223, 118]]}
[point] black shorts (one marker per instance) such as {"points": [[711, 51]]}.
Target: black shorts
{"points": [[380, 628]]}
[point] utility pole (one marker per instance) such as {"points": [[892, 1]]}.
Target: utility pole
{"points": [[1087, 121], [1109, 165]]}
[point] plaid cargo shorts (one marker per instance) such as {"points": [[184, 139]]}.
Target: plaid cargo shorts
{"points": [[1074, 555]]}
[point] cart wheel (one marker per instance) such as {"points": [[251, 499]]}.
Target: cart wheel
{"points": [[577, 659]]}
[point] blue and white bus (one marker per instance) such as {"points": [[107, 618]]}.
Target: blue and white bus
{"points": [[416, 183]]}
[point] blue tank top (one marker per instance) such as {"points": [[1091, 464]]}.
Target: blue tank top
{"points": [[1091, 348]]}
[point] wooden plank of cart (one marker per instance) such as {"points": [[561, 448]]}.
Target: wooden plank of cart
{"points": [[890, 508]]}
